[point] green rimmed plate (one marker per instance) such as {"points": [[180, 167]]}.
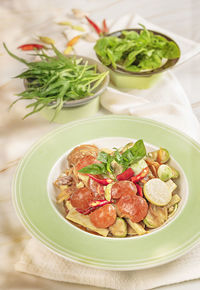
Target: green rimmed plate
{"points": [[37, 212]]}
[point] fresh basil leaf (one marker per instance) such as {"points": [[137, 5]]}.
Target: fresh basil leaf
{"points": [[103, 157], [134, 154], [96, 168]]}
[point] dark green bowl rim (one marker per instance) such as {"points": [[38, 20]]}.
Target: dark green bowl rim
{"points": [[170, 62]]}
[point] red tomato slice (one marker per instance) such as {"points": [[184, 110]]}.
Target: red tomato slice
{"points": [[124, 187], [133, 207], [81, 198], [104, 216]]}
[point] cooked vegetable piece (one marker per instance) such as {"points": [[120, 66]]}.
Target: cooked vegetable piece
{"points": [[108, 191], [172, 212], [162, 155], [131, 231], [84, 220], [119, 228], [102, 181], [128, 173], [157, 192], [136, 227], [139, 166], [175, 199], [63, 195], [141, 175], [171, 185], [133, 207], [165, 172], [175, 173], [156, 216]]}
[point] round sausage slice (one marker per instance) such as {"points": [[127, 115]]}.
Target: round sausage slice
{"points": [[81, 198], [104, 216], [124, 187], [133, 207], [81, 151], [96, 188], [85, 161]]}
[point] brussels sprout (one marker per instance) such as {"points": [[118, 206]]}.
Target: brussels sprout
{"points": [[174, 172], [163, 155], [164, 172], [119, 228]]}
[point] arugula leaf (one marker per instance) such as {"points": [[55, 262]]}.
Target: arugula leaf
{"points": [[96, 168]]}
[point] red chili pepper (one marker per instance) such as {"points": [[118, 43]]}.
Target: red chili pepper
{"points": [[31, 46], [86, 211], [98, 203], [141, 175], [139, 190], [94, 25], [105, 27], [100, 181], [92, 206], [128, 173]]}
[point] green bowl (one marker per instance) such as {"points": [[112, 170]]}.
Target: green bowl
{"points": [[82, 108], [138, 80]]}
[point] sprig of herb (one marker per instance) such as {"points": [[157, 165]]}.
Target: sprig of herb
{"points": [[130, 156], [136, 51], [56, 79]]}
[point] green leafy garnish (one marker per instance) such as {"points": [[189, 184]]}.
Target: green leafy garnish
{"points": [[56, 79], [97, 168], [136, 51], [130, 156]]}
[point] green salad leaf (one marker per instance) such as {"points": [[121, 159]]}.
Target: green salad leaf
{"points": [[56, 79], [136, 51]]}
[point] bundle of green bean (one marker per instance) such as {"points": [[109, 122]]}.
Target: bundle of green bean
{"points": [[56, 79]]}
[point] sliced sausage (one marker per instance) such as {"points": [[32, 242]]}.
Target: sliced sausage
{"points": [[104, 216], [81, 151], [123, 188], [97, 189], [133, 207], [85, 161], [81, 198]]}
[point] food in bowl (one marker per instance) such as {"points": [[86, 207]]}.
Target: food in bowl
{"points": [[58, 81], [136, 50], [119, 193]]}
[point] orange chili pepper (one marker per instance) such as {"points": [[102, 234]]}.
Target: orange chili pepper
{"points": [[73, 41]]}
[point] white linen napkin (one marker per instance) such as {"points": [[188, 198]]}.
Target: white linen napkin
{"points": [[166, 102]]}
